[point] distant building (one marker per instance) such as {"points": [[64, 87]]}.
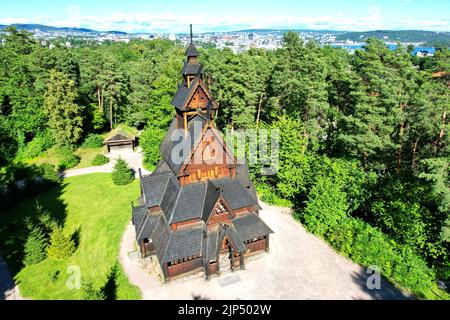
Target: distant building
{"points": [[424, 53]]}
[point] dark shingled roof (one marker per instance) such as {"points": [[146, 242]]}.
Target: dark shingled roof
{"points": [[234, 193], [154, 187], [212, 243], [243, 176], [170, 196], [147, 226], [191, 51], [190, 201], [118, 137], [181, 96], [183, 243], [191, 69], [234, 236], [162, 166], [195, 201], [212, 195], [195, 130], [138, 214], [160, 236], [250, 226]]}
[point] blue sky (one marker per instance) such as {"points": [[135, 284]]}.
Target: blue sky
{"points": [[175, 15]]}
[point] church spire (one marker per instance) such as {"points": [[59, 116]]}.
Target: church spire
{"points": [[191, 33]]}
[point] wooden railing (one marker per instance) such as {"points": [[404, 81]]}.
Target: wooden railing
{"points": [[257, 245], [184, 267]]}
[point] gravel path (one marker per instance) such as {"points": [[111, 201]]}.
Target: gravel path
{"points": [[134, 160], [299, 266]]}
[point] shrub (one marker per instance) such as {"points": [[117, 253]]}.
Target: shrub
{"points": [[93, 141], [35, 246], [68, 158], [37, 146], [48, 172], [122, 175], [100, 160], [150, 140], [61, 246], [326, 206]]}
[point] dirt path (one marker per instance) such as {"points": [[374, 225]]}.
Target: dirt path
{"points": [[299, 266], [134, 160]]}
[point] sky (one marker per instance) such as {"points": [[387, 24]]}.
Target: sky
{"points": [[174, 16]]}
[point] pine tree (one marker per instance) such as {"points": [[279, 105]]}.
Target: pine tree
{"points": [[64, 115], [122, 175], [61, 246], [89, 293], [35, 246]]}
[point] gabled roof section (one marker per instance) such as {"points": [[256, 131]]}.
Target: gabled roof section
{"points": [[180, 98], [160, 236], [119, 137], [243, 176], [250, 226], [234, 236], [212, 196], [191, 51], [138, 215], [190, 202], [234, 193], [162, 166], [188, 143], [183, 243], [146, 228], [155, 186], [212, 243], [184, 94]]}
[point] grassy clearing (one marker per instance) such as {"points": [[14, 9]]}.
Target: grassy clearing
{"points": [[86, 156], [94, 212]]}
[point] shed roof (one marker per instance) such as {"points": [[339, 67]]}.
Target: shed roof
{"points": [[191, 69], [236, 195], [183, 243], [250, 226]]}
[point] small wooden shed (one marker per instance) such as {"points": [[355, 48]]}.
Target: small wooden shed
{"points": [[120, 141]]}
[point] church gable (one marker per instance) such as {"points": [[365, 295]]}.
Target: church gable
{"points": [[199, 99], [220, 213], [210, 159]]}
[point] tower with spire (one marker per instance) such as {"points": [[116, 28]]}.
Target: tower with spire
{"points": [[198, 210]]}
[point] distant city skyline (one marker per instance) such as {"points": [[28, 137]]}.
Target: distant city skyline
{"points": [[174, 16]]}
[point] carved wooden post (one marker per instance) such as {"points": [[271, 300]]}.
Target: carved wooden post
{"points": [[267, 243], [232, 259], [242, 262]]}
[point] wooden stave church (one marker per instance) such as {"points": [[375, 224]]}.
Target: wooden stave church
{"points": [[194, 216]]}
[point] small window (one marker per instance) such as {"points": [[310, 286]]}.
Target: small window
{"points": [[146, 240]]}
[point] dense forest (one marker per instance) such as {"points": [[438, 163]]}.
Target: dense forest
{"points": [[364, 149]]}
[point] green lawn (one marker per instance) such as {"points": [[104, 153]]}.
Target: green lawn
{"points": [[94, 210], [86, 156]]}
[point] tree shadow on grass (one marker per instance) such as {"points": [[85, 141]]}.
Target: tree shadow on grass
{"points": [[76, 237], [109, 289], [13, 229]]}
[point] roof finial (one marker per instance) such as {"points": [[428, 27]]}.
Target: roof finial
{"points": [[191, 32]]}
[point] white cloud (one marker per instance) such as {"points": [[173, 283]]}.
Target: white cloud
{"points": [[141, 22]]}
